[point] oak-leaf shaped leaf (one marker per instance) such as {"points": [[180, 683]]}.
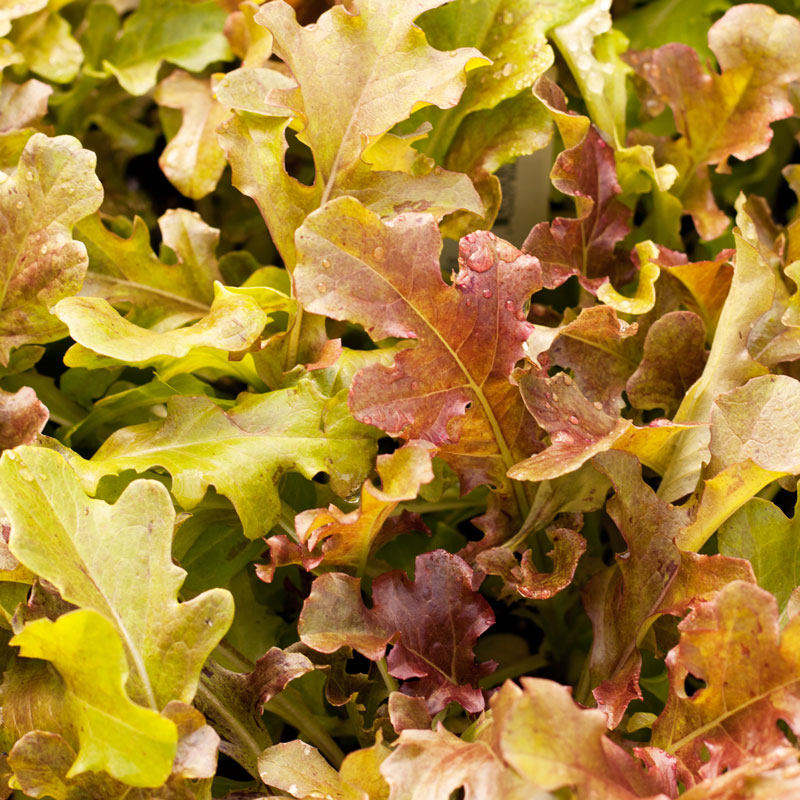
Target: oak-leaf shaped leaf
{"points": [[383, 69], [653, 576], [550, 740], [728, 113], [98, 555], [585, 245], [342, 539], [751, 672], [412, 615], [453, 388], [297, 428]]}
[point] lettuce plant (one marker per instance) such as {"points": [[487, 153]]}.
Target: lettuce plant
{"points": [[314, 485]]}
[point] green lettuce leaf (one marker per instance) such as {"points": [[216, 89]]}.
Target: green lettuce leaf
{"points": [[179, 31], [133, 744], [69, 546]]}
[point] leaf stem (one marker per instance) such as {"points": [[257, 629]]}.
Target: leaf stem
{"points": [[391, 683], [294, 340]]}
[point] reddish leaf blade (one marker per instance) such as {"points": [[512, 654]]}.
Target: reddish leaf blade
{"points": [[433, 621]]}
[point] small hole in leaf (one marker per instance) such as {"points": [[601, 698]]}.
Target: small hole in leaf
{"points": [[299, 161], [784, 728], [387, 445], [693, 685], [704, 754], [322, 477]]}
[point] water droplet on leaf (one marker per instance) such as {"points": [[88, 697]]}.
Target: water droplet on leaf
{"points": [[487, 293], [322, 287], [508, 68], [325, 264], [573, 419], [378, 253]]}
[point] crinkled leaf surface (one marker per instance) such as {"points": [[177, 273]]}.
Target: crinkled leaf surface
{"points": [[131, 743], [384, 69], [732, 644], [759, 421], [63, 536], [411, 615], [584, 246], [598, 347], [53, 188], [726, 114], [653, 576], [729, 365], [243, 453], [385, 276], [427, 765], [546, 737]]}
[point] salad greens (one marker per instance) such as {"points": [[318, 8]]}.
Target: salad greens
{"points": [[313, 486]]}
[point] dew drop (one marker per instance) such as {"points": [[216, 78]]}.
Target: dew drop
{"points": [[509, 305], [43, 249], [508, 68], [598, 405], [311, 27], [508, 17], [85, 512], [555, 397], [487, 293], [595, 82], [378, 253], [367, 420], [71, 190], [573, 419], [20, 204], [567, 379], [453, 53], [547, 405], [325, 264], [322, 287], [29, 175], [468, 302], [414, 386]]}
